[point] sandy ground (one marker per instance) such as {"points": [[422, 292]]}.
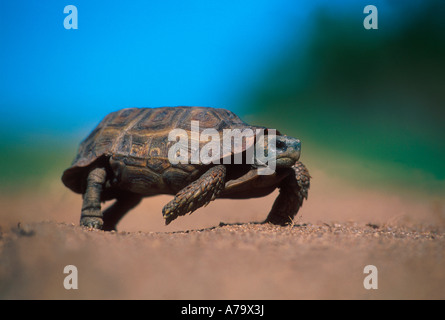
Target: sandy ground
{"points": [[220, 252]]}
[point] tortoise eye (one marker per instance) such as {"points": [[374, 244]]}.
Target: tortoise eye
{"points": [[280, 144]]}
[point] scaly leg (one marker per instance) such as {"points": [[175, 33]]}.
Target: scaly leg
{"points": [[197, 194], [293, 190], [91, 215]]}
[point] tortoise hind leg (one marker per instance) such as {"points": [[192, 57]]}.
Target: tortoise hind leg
{"points": [[91, 215], [117, 210], [197, 194], [293, 190]]}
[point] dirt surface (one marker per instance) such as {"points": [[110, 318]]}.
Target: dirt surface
{"points": [[220, 252]]}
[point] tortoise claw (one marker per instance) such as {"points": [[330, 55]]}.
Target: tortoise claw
{"points": [[92, 222]]}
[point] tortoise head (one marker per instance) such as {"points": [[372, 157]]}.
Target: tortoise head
{"points": [[286, 151]]}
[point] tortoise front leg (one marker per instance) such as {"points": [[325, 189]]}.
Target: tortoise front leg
{"points": [[293, 190], [197, 194], [91, 215]]}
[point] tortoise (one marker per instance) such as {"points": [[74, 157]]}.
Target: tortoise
{"points": [[126, 158]]}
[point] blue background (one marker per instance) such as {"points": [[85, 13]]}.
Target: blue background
{"points": [[251, 57]]}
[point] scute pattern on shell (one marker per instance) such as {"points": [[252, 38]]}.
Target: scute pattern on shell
{"points": [[140, 135]]}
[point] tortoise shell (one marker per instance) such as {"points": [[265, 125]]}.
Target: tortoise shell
{"points": [[139, 137]]}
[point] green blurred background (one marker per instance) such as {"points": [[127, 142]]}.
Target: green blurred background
{"points": [[367, 104]]}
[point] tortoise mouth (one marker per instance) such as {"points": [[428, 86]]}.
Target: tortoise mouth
{"points": [[286, 162]]}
